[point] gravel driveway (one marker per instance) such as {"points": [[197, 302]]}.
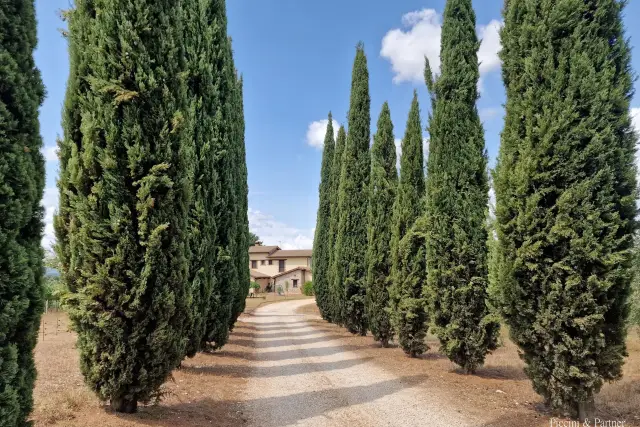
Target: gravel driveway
{"points": [[301, 375]]}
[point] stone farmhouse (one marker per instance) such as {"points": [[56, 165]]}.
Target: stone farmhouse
{"points": [[271, 267]]}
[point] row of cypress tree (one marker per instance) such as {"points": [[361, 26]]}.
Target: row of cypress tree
{"points": [[22, 178], [397, 254], [152, 227]]}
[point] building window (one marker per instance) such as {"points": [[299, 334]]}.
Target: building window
{"points": [[295, 283], [270, 262], [281, 265], [262, 262], [309, 262], [254, 264]]}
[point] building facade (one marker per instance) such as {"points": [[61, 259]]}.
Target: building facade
{"points": [[272, 267]]}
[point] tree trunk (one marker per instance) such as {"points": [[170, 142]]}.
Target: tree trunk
{"points": [[124, 405], [584, 409]]}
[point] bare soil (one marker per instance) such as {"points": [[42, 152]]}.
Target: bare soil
{"points": [[500, 389], [213, 389]]}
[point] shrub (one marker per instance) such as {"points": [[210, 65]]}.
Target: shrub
{"points": [[307, 289]]}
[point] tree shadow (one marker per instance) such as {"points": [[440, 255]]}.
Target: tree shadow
{"points": [[499, 373], [282, 334], [431, 356], [273, 411], [274, 356], [244, 371], [285, 342]]}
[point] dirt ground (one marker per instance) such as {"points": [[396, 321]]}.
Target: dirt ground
{"points": [[210, 390], [500, 387]]}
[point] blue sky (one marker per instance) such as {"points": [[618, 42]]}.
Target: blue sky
{"points": [[296, 58]]}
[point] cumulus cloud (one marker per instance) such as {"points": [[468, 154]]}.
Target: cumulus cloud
{"points": [[317, 131], [425, 150], [50, 205], [406, 48], [489, 113], [635, 117], [420, 36], [274, 232], [50, 153]]}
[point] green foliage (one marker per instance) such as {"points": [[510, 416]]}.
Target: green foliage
{"points": [[321, 248], [207, 97], [255, 286], [232, 274], [54, 289], [308, 290], [457, 197], [382, 194], [127, 175], [408, 314], [408, 249], [566, 194], [634, 318], [21, 189], [334, 313], [241, 204], [254, 239], [351, 240]]}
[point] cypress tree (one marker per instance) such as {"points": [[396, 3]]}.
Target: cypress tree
{"points": [[566, 190], [79, 23], [242, 207], [457, 198], [21, 189], [203, 45], [129, 184], [382, 194], [321, 248], [408, 252], [351, 240], [334, 313], [223, 298]]}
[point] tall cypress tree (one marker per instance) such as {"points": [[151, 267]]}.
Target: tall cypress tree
{"points": [[79, 23], [566, 190], [21, 189], [203, 46], [457, 197], [408, 243], [382, 194], [353, 193], [242, 207], [321, 248], [224, 296], [129, 183], [334, 313]]}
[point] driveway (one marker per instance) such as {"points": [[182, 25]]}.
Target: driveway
{"points": [[301, 375]]}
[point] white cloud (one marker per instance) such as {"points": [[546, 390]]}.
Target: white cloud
{"points": [[50, 153], [425, 150], [50, 204], [489, 113], [318, 130], [490, 46], [635, 117], [406, 48], [273, 232]]}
